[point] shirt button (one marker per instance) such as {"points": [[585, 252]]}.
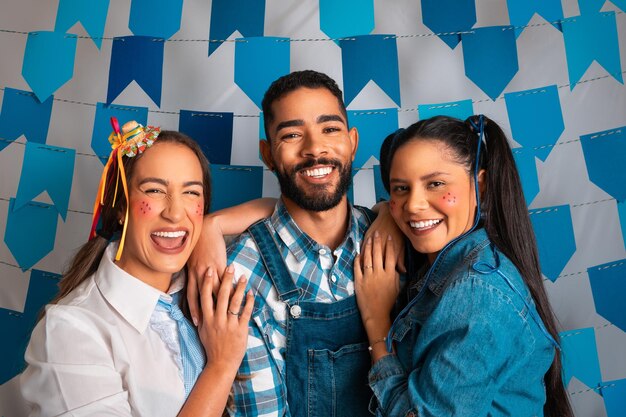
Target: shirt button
{"points": [[322, 251], [333, 278], [295, 311]]}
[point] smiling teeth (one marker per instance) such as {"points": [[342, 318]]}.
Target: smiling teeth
{"points": [[424, 223], [317, 172], [170, 234]]}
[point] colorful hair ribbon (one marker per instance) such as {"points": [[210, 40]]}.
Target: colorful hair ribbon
{"points": [[130, 142]]}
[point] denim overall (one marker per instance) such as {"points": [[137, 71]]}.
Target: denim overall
{"points": [[326, 355]]}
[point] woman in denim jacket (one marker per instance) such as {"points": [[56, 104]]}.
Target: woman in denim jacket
{"points": [[475, 335]]}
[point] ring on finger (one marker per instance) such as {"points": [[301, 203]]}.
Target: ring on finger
{"points": [[368, 267], [233, 313]]}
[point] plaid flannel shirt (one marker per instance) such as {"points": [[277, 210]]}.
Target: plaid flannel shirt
{"points": [[322, 274]]}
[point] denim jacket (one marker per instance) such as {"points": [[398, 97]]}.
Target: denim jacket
{"points": [[470, 344]]}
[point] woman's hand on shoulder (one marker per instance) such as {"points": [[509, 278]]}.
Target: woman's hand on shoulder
{"points": [[377, 284], [223, 329]]}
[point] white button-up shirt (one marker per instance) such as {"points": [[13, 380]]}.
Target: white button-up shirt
{"points": [[101, 351]]}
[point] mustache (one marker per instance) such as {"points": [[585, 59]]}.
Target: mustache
{"points": [[310, 163]]}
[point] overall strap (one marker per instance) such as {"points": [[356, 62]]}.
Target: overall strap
{"points": [[269, 250]]}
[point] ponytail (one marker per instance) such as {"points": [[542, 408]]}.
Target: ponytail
{"points": [[508, 226]]}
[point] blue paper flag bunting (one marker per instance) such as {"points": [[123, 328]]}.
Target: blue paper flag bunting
{"points": [[30, 232], [536, 118], [580, 357], [605, 156], [370, 57], [17, 326], [614, 394], [379, 187], [158, 18], [590, 37], [212, 131], [247, 180], [555, 238], [521, 11], [136, 58], [460, 109], [102, 125], [490, 56], [373, 127], [46, 168], [48, 61], [23, 114], [527, 168], [344, 18], [91, 14], [262, 135], [609, 287], [446, 18], [258, 62], [621, 210], [245, 16]]}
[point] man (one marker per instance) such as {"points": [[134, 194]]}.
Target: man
{"points": [[307, 350]]}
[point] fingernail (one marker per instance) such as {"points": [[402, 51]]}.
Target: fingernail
{"points": [[388, 237], [209, 272], [369, 240], [243, 278], [376, 234], [230, 268], [195, 321]]}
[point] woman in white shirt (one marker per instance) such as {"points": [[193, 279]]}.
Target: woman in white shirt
{"points": [[114, 341]]}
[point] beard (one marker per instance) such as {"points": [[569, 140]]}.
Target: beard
{"points": [[321, 198]]}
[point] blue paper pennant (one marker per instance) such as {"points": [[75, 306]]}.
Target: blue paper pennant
{"points": [[344, 18], [373, 127], [136, 58], [555, 238], [245, 16], [536, 119], [102, 125], [459, 109], [490, 56], [248, 180], [580, 357], [258, 62], [521, 11], [23, 114], [17, 326], [527, 168], [614, 394], [592, 36], [46, 168], [48, 61], [370, 57], [158, 18], [30, 232], [449, 17], [91, 14], [605, 156], [621, 210], [608, 287], [379, 187], [212, 131]]}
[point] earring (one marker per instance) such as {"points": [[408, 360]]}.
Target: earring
{"points": [[121, 221]]}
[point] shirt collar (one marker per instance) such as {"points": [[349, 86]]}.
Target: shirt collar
{"points": [[465, 248], [132, 298], [299, 243]]}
